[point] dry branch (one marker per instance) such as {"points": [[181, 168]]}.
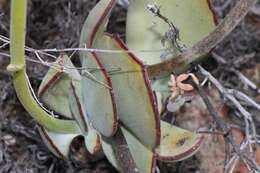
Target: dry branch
{"points": [[250, 130]]}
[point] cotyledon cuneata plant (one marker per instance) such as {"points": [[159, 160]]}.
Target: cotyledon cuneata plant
{"points": [[113, 93]]}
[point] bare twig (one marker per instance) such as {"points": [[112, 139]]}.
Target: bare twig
{"points": [[219, 121], [251, 136], [222, 125], [241, 96], [246, 81], [29, 49], [188, 58], [228, 95], [27, 58], [58, 66], [83, 49], [173, 34]]}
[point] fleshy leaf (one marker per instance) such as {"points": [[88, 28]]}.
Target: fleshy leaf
{"points": [[176, 143], [144, 158], [136, 105], [145, 31], [58, 144], [95, 22], [76, 105], [99, 101], [96, 86], [55, 87], [93, 142]]}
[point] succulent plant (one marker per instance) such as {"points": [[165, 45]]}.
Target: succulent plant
{"points": [[104, 101], [112, 98]]}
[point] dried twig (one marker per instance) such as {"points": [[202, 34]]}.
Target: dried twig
{"points": [[47, 52], [173, 34], [243, 97], [246, 81], [251, 136], [228, 95]]}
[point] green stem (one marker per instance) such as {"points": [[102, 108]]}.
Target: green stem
{"points": [[18, 68]]}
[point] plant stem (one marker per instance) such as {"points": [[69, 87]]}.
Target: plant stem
{"points": [[199, 51], [18, 69], [122, 153]]}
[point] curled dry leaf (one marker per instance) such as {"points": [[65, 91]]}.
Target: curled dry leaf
{"points": [[177, 86], [180, 79]]}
